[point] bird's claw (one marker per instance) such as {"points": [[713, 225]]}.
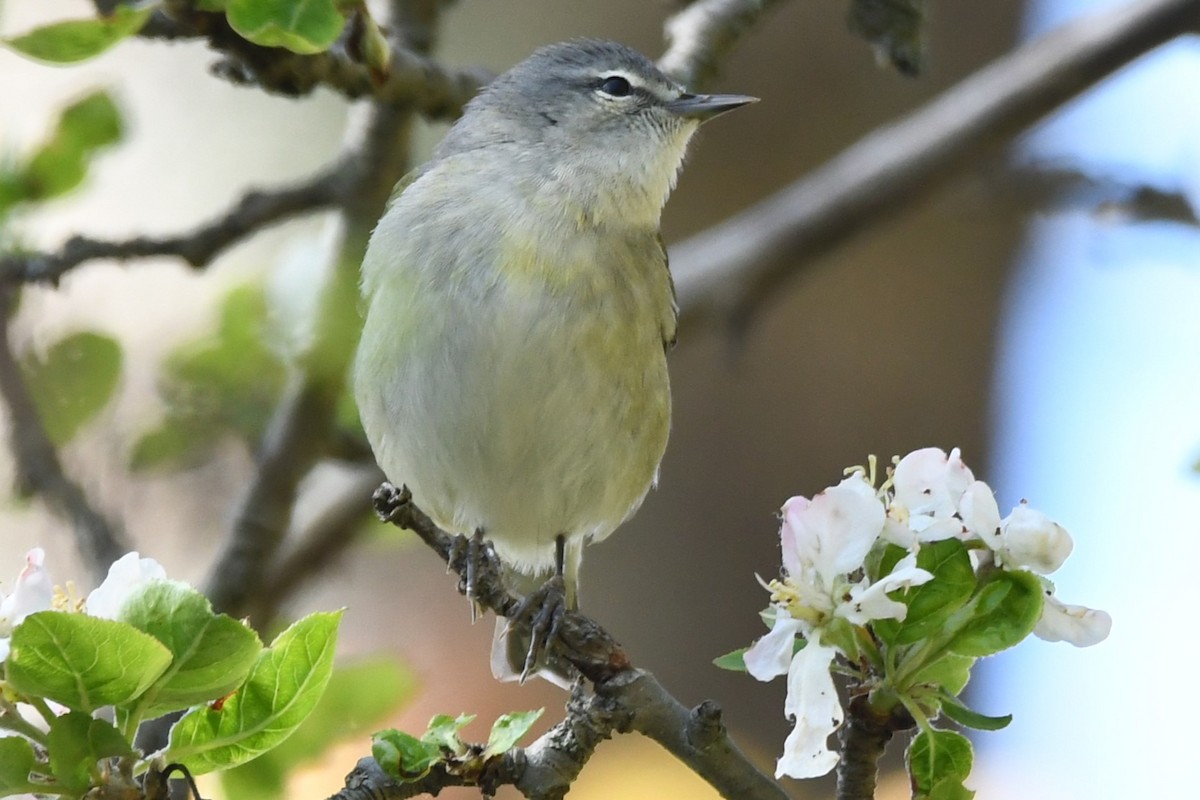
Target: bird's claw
{"points": [[476, 561], [541, 613]]}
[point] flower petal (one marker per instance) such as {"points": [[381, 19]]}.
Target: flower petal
{"points": [[1030, 539], [32, 591], [1079, 625], [126, 575], [834, 531], [871, 602], [928, 481], [770, 656], [979, 512], [813, 701]]}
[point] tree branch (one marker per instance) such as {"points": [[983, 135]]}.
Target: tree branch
{"points": [[414, 81], [727, 270], [100, 541], [256, 209], [702, 35], [624, 699]]}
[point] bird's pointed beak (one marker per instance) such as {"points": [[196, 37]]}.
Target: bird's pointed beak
{"points": [[703, 107]]}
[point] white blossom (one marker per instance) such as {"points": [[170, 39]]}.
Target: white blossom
{"points": [[31, 593], [127, 575]]}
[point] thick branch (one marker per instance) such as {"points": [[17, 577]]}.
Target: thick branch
{"points": [[702, 35], [625, 699], [728, 269], [39, 470], [256, 209]]}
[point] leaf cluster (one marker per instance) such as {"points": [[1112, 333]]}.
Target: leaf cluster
{"points": [[95, 681]]}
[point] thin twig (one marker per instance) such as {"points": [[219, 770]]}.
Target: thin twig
{"points": [[702, 35], [255, 210], [727, 270], [39, 470], [625, 699]]}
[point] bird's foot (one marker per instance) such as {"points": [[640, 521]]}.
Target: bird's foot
{"points": [[476, 561], [541, 614]]}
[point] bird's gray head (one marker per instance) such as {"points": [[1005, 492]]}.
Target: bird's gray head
{"points": [[594, 122]]}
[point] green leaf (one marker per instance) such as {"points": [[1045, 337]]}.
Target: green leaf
{"points": [[228, 382], [950, 672], [443, 732], [403, 757], [16, 762], [933, 602], [953, 708], [735, 661], [73, 382], [83, 662], [85, 127], [302, 26], [76, 743], [78, 40], [948, 789], [1008, 608], [936, 756], [213, 653], [282, 690], [508, 730], [357, 698]]}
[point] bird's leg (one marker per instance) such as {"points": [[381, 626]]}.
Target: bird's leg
{"points": [[542, 610], [471, 557]]}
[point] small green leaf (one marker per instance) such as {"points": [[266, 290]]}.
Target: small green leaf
{"points": [[936, 756], [83, 662], [73, 382], [16, 762], [950, 672], [357, 698], [76, 743], [735, 661], [953, 708], [302, 26], [283, 688], [1009, 606], [508, 730], [403, 757], [443, 732], [948, 789], [213, 653], [85, 127], [933, 602], [80, 39]]}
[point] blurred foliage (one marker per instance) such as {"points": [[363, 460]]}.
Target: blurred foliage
{"points": [[227, 383], [302, 26], [72, 382], [60, 164], [895, 28], [80, 39], [358, 697]]}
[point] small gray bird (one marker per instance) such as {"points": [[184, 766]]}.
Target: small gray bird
{"points": [[512, 369]]}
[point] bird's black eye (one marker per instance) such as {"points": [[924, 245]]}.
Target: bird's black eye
{"points": [[616, 86]]}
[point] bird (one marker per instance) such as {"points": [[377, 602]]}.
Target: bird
{"points": [[512, 365]]}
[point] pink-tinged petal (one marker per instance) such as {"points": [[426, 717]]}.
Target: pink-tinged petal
{"points": [[33, 591], [787, 534], [928, 481], [770, 656], [835, 530], [126, 575], [813, 701], [979, 512], [1079, 625], [1030, 539]]}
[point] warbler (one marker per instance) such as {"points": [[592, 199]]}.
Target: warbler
{"points": [[512, 370]]}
